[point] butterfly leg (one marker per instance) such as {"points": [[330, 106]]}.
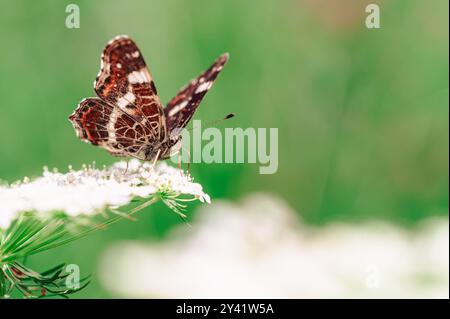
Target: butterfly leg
{"points": [[178, 152], [156, 159], [141, 166], [126, 168], [189, 160]]}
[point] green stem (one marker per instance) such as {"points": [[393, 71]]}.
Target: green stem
{"points": [[2, 283], [81, 234], [97, 227]]}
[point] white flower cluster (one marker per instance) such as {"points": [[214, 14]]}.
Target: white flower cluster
{"points": [[259, 249], [89, 190]]}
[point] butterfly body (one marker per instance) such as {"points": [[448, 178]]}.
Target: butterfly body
{"points": [[127, 118]]}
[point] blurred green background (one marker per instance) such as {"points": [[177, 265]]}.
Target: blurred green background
{"points": [[362, 114]]}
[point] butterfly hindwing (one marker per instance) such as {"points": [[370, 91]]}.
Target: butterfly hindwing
{"points": [[181, 108], [98, 123]]}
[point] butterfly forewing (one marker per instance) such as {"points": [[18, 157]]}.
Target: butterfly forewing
{"points": [[125, 82], [182, 107]]}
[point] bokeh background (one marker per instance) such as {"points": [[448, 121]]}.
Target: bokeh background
{"points": [[362, 114]]}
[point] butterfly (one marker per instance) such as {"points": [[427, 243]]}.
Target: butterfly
{"points": [[127, 117]]}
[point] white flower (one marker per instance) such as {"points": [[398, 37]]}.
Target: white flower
{"points": [[259, 249], [89, 190]]}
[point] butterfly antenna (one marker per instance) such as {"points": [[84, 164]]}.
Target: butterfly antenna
{"points": [[215, 122]]}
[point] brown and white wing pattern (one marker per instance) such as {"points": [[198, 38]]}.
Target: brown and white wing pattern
{"points": [[127, 118], [101, 124], [181, 108], [125, 82]]}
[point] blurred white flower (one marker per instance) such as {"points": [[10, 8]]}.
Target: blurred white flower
{"points": [[89, 190], [259, 249]]}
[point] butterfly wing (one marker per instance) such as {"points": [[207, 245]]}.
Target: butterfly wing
{"points": [[125, 82], [127, 117], [181, 108], [101, 124]]}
